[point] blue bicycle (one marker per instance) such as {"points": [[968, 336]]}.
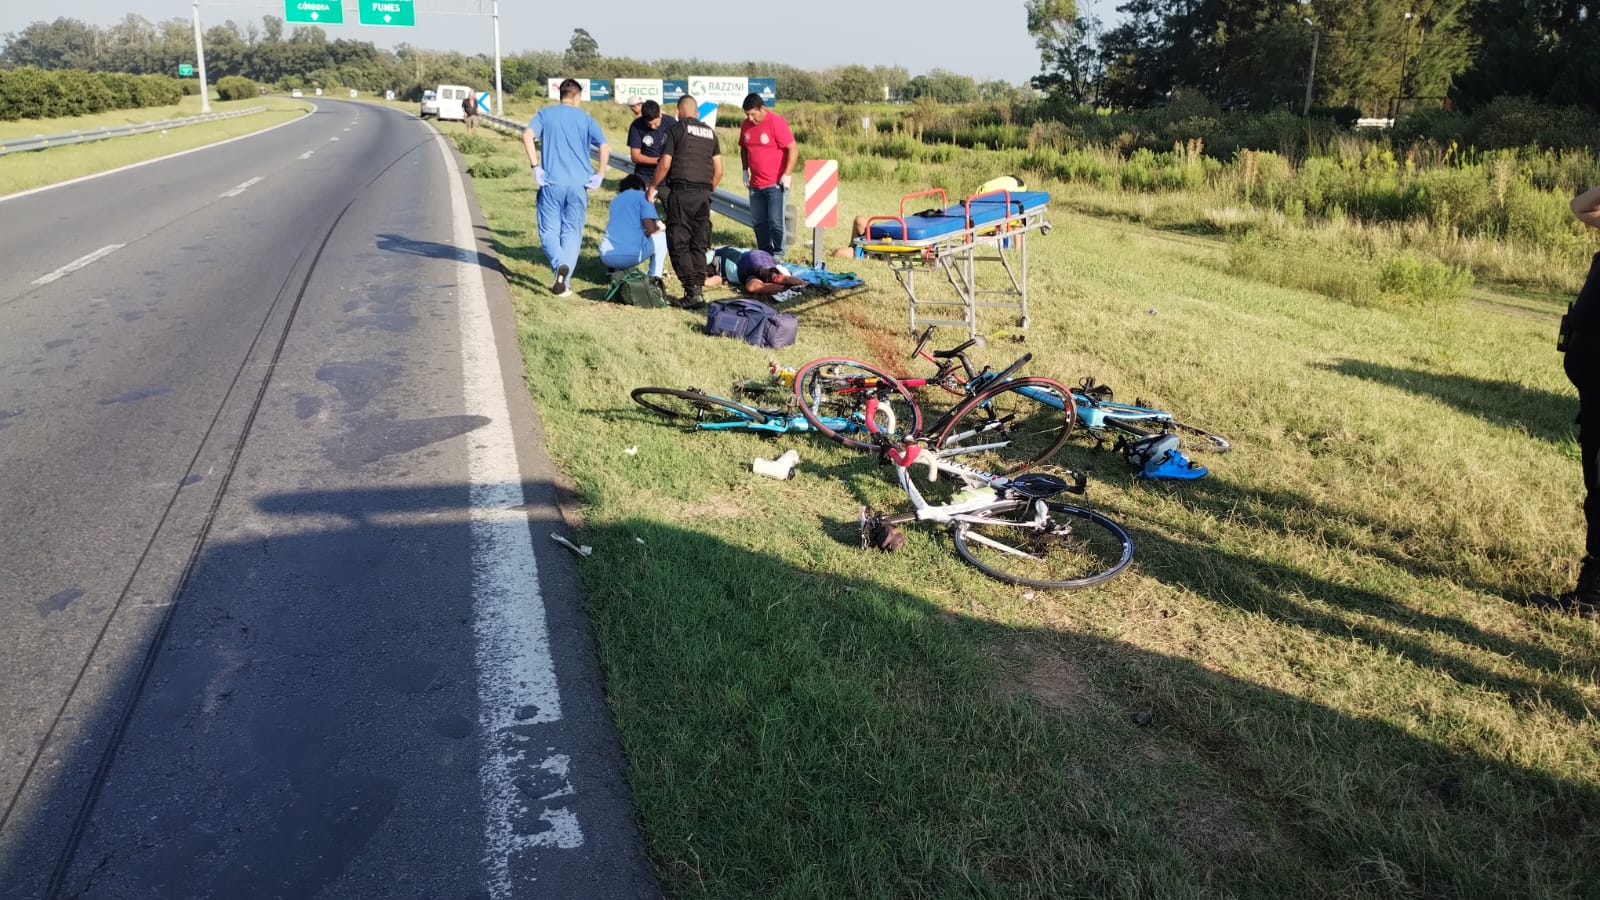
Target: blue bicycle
{"points": [[700, 411]]}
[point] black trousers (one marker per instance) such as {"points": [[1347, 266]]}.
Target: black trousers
{"points": [[1582, 364], [689, 235]]}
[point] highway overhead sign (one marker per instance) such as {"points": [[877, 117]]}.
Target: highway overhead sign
{"points": [[389, 12], [314, 12]]}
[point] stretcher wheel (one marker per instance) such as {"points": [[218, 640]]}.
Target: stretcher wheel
{"points": [[1044, 229]]}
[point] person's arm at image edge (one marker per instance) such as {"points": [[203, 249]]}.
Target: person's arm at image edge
{"points": [[1586, 206]]}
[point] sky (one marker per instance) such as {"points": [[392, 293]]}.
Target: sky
{"points": [[986, 39]]}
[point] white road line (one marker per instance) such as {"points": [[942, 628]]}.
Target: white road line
{"points": [[332, 139], [516, 675], [79, 263], [82, 178], [240, 188], [307, 154]]}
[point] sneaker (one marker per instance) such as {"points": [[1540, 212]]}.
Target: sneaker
{"points": [[561, 288], [692, 302]]}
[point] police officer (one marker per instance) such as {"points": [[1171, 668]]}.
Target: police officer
{"points": [[1581, 336], [691, 165]]}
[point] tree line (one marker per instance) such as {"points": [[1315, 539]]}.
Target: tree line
{"points": [[269, 52], [1381, 56]]}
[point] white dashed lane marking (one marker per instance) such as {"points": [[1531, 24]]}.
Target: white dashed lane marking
{"points": [[79, 263], [241, 188], [307, 154]]}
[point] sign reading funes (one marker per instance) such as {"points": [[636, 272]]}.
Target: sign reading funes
{"points": [[394, 13]]}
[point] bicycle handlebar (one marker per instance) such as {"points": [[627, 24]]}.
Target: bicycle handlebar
{"points": [[955, 351], [923, 341], [1006, 372]]}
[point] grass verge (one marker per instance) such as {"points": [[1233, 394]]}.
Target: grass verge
{"points": [[22, 171], [1311, 684]]}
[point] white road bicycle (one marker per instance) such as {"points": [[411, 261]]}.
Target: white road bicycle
{"points": [[1010, 528]]}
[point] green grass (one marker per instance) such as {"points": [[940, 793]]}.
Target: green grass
{"points": [[21, 171], [1342, 700]]}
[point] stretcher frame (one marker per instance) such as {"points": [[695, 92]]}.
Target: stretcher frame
{"points": [[957, 253]]}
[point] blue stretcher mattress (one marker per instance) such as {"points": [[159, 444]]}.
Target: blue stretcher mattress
{"points": [[953, 219]]}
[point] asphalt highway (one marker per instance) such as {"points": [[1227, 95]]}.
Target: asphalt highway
{"points": [[279, 612]]}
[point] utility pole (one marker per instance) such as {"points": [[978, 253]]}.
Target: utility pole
{"points": [[1311, 74], [200, 63], [1405, 53], [499, 96]]}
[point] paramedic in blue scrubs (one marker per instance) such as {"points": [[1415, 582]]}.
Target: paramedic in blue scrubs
{"points": [[565, 177], [634, 232]]}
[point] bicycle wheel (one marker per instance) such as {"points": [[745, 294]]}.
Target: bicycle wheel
{"points": [[833, 394], [703, 410], [1011, 426], [1069, 547]]}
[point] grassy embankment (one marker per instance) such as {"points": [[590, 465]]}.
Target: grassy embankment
{"points": [[1338, 696], [21, 171]]}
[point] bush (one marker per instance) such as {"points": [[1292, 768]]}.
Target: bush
{"points": [[30, 93], [476, 145], [237, 87], [493, 168], [1422, 282]]}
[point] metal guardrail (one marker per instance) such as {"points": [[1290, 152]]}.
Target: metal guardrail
{"points": [[43, 142], [734, 206]]}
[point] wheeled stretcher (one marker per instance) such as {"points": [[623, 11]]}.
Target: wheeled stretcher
{"points": [[987, 227]]}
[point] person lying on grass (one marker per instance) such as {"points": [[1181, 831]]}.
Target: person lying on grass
{"points": [[755, 271]]}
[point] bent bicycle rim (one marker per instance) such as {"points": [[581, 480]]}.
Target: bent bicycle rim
{"points": [[1011, 426], [835, 391]]}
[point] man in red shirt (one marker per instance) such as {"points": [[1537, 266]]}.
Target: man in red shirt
{"points": [[766, 147]]}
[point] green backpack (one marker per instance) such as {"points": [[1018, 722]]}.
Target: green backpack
{"points": [[634, 287]]}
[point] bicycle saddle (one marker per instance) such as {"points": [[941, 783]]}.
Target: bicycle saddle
{"points": [[1039, 486]]}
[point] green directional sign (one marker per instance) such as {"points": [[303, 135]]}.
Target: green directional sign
{"points": [[388, 12], [185, 70], [314, 12]]}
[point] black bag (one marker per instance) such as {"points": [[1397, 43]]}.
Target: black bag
{"points": [[753, 322], [633, 287]]}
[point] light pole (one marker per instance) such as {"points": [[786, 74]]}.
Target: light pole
{"points": [[499, 98], [1311, 73], [200, 63]]}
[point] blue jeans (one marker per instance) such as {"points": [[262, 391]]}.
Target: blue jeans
{"points": [[563, 209], [657, 257], [766, 217]]}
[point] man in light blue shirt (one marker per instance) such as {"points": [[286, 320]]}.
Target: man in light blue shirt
{"points": [[561, 168], [633, 231]]}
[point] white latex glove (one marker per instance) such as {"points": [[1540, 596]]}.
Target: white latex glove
{"points": [[746, 177], [786, 180], [650, 195], [539, 176], [594, 181]]}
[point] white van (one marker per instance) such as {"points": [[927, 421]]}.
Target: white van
{"points": [[449, 97]]}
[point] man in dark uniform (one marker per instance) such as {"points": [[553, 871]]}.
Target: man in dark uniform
{"points": [[645, 138], [691, 165], [1582, 363]]}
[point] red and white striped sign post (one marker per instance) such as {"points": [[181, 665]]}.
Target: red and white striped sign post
{"points": [[821, 201]]}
